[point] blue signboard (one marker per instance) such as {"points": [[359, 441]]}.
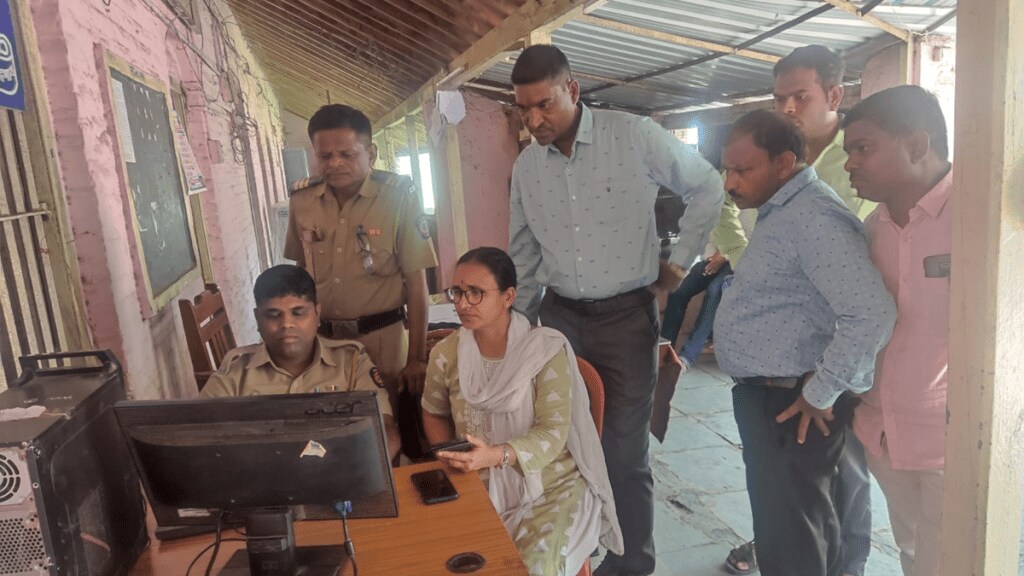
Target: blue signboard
{"points": [[12, 90]]}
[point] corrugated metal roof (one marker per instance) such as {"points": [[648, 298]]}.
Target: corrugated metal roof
{"points": [[373, 54], [619, 56]]}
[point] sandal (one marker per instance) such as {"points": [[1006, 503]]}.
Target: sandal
{"points": [[746, 554]]}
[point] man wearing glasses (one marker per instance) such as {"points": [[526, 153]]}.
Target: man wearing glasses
{"points": [[361, 235], [582, 225]]}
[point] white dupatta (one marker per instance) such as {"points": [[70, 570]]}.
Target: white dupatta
{"points": [[508, 397]]}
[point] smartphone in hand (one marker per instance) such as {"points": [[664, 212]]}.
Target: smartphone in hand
{"points": [[457, 445], [434, 486]]}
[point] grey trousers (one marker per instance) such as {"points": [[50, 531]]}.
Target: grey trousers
{"points": [[619, 336]]}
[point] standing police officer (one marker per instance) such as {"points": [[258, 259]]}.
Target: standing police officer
{"points": [[362, 236]]}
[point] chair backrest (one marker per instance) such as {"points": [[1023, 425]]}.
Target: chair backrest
{"points": [[595, 386], [435, 336], [595, 389], [207, 331]]}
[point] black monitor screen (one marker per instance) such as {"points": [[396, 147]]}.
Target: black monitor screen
{"points": [[201, 460]]}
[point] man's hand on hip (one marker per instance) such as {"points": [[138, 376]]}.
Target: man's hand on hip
{"points": [[807, 413]]}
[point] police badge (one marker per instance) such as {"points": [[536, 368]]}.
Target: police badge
{"points": [[423, 226]]}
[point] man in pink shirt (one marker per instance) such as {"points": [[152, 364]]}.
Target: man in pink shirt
{"points": [[898, 149]]}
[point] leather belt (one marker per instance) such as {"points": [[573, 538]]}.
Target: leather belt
{"points": [[769, 381], [346, 329], [631, 299]]}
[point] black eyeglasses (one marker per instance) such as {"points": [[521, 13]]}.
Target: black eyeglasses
{"points": [[363, 239], [472, 294]]}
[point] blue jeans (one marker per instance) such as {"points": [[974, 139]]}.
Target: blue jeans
{"points": [[695, 283]]}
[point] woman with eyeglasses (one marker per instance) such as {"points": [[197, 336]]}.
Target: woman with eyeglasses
{"points": [[514, 391]]}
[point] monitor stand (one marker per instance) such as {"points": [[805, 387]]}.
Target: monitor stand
{"points": [[309, 561]]}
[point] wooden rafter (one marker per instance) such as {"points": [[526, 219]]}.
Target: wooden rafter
{"points": [[369, 53], [483, 53], [676, 39], [851, 8]]}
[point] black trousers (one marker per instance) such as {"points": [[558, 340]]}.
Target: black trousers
{"points": [[791, 485], [620, 339]]}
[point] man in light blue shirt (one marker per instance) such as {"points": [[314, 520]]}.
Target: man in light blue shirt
{"points": [[582, 225], [801, 325]]}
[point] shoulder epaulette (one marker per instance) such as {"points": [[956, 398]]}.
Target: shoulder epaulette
{"points": [[243, 355]]}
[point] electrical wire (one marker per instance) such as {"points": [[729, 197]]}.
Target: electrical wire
{"points": [[216, 545], [344, 508], [203, 551]]}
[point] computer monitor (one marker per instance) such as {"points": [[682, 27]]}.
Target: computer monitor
{"points": [[216, 461]]}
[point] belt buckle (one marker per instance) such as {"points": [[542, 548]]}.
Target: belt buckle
{"points": [[345, 329]]}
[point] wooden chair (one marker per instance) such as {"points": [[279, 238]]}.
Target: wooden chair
{"points": [[595, 389], [435, 336], [207, 332]]}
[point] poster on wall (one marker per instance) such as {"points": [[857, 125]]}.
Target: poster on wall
{"points": [[193, 176], [12, 92]]}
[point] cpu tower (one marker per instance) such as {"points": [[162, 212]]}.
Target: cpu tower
{"points": [[70, 502]]}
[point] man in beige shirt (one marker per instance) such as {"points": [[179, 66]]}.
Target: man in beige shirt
{"points": [[362, 236], [293, 359]]}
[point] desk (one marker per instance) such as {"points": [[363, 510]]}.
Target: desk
{"points": [[419, 541]]}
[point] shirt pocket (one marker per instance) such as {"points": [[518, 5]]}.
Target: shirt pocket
{"points": [[317, 252], [384, 254]]}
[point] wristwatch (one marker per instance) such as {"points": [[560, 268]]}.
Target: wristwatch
{"points": [[504, 456]]}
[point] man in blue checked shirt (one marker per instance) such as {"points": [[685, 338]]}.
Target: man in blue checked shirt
{"points": [[582, 226], [798, 330]]}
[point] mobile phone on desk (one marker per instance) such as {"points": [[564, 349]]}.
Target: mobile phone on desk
{"points": [[434, 486], [457, 445]]}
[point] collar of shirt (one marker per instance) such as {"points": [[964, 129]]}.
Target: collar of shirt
{"points": [[368, 189], [584, 132], [931, 203], [795, 184], [836, 145], [262, 357]]}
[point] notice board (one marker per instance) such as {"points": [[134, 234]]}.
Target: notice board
{"points": [[159, 208]]}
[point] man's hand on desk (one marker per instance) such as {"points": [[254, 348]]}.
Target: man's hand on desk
{"points": [[481, 456]]}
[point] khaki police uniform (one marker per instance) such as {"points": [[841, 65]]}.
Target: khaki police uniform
{"points": [[338, 365], [324, 238]]}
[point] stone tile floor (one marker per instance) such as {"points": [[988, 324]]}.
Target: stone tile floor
{"points": [[701, 502]]}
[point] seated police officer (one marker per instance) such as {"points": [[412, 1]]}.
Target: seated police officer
{"points": [[292, 359]]}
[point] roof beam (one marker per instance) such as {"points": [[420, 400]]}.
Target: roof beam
{"points": [[715, 55], [675, 39], [851, 8], [489, 49]]}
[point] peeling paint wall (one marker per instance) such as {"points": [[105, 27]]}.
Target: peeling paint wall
{"points": [[488, 145], [488, 141], [228, 102]]}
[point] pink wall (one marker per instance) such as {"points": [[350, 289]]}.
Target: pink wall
{"points": [[883, 70], [488, 146], [73, 37]]}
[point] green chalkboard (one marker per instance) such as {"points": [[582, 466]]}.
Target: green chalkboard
{"points": [[159, 207]]}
